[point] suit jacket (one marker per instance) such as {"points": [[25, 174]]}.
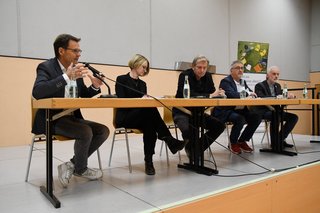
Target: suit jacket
{"points": [[123, 85], [230, 88], [50, 83], [262, 90]]}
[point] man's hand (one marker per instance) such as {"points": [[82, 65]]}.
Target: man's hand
{"points": [[96, 83], [219, 92], [76, 71], [291, 96], [253, 94]]}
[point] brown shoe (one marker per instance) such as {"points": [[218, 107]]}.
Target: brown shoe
{"points": [[244, 147], [235, 148]]}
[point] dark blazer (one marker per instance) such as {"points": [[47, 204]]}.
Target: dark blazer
{"points": [[50, 83], [262, 89], [127, 87], [230, 88]]}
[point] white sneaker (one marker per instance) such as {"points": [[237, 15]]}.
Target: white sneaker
{"points": [[65, 172], [91, 174]]}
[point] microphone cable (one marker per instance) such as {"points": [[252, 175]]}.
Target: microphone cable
{"points": [[309, 152]]}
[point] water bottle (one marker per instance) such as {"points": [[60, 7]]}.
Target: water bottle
{"points": [[186, 88], [243, 92], [71, 90], [285, 91], [305, 91]]}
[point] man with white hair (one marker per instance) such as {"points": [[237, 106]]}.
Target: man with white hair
{"points": [[271, 88]]}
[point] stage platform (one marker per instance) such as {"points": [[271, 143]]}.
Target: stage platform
{"points": [[244, 182]]}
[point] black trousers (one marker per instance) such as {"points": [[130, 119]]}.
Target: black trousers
{"points": [[212, 124], [290, 120]]}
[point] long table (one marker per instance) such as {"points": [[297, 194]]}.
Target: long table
{"points": [[70, 104]]}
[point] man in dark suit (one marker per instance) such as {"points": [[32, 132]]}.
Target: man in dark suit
{"points": [[238, 115], [270, 88], [52, 77]]}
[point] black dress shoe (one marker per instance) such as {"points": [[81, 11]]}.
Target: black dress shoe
{"points": [[149, 169], [285, 144], [174, 144]]}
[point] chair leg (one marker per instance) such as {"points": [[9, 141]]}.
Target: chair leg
{"points": [[266, 133], [176, 131], [161, 148], [294, 144], [166, 147], [99, 159], [252, 143], [228, 135], [167, 154], [30, 157], [210, 153], [128, 152], [111, 150]]}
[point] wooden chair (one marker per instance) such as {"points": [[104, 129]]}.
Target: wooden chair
{"points": [[42, 138]]}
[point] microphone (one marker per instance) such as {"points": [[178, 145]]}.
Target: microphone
{"points": [[100, 76], [242, 82], [95, 72]]}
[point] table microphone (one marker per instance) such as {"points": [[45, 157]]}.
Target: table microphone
{"points": [[100, 76]]}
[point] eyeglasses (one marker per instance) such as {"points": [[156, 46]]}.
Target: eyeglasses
{"points": [[238, 68], [75, 51]]}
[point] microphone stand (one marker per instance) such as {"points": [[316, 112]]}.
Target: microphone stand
{"points": [[109, 95]]}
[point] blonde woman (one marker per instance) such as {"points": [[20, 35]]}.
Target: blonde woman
{"points": [[146, 119]]}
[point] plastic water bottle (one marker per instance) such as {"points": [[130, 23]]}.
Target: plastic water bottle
{"points": [[285, 91], [305, 91], [186, 88]]}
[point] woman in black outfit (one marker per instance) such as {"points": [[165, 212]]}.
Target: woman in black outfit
{"points": [[146, 119]]}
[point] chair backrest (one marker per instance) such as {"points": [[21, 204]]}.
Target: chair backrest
{"points": [[33, 112], [119, 129], [167, 113], [167, 116]]}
